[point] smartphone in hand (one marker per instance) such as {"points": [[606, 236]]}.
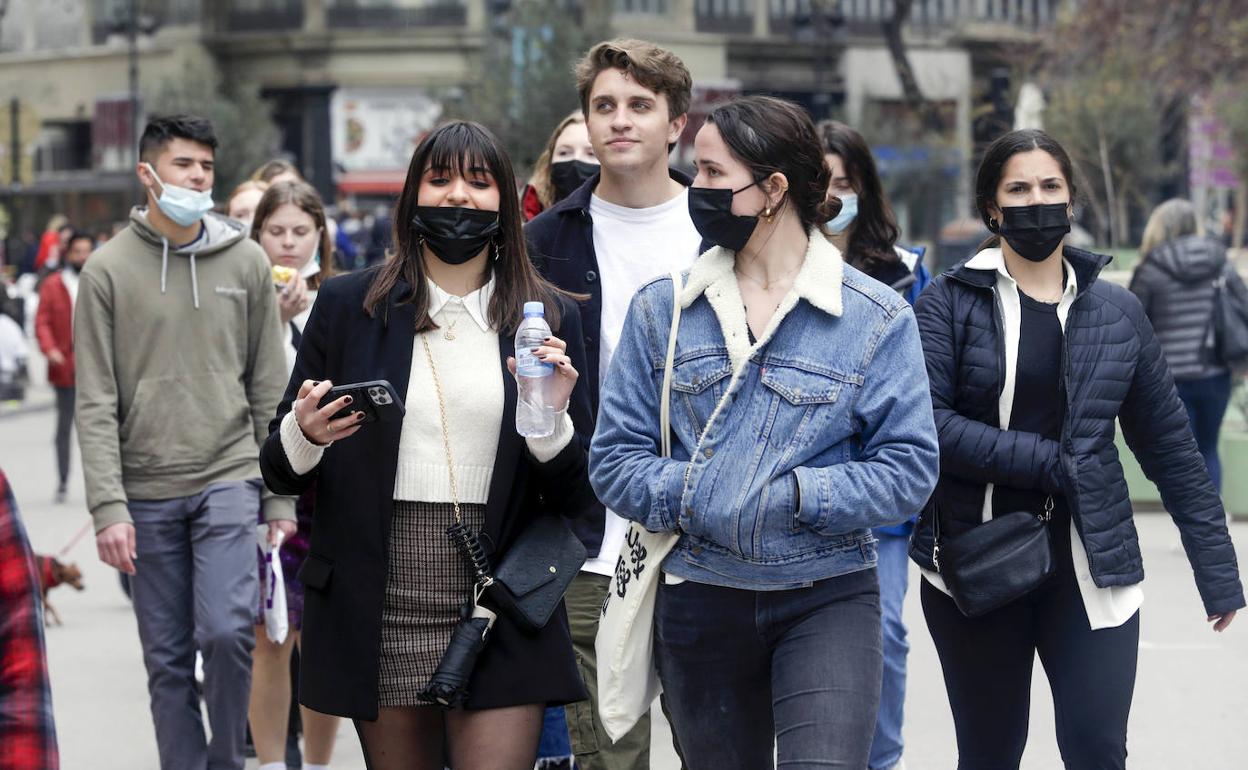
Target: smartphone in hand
{"points": [[375, 398]]}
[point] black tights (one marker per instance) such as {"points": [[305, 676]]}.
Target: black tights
{"points": [[987, 663], [426, 737]]}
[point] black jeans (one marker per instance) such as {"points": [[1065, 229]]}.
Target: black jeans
{"points": [[987, 663], [64, 424], [744, 671]]}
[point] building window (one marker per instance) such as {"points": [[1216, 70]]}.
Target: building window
{"points": [[394, 13]]}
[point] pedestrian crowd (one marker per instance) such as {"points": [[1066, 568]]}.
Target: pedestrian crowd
{"points": [[758, 406]]}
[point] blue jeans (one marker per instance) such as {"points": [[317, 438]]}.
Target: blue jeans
{"points": [[1206, 401], [893, 569], [745, 670]]}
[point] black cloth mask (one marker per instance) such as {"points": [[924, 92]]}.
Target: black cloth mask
{"points": [[567, 175], [455, 235], [710, 208], [1035, 231]]}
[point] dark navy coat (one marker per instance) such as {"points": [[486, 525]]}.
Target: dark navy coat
{"points": [[1113, 369]]}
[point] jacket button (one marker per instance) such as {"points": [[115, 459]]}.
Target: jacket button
{"points": [[709, 453], [591, 276]]}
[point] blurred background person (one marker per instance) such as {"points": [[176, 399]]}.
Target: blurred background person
{"points": [[1175, 283], [866, 233], [277, 170], [290, 225], [567, 162], [241, 205], [54, 329], [50, 242]]}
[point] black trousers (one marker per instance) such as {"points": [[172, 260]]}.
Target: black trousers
{"points": [[987, 663], [64, 424]]}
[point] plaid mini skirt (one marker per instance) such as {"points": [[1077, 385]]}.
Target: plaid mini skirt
{"points": [[427, 583]]}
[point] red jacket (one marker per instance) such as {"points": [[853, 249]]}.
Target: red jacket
{"points": [[49, 244], [54, 328]]}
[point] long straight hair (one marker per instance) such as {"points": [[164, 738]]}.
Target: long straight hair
{"points": [[1173, 219], [874, 231], [456, 147]]}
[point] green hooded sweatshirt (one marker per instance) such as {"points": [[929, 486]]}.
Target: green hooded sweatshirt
{"points": [[180, 366]]}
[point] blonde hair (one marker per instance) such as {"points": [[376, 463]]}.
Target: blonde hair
{"points": [[250, 184], [541, 169], [273, 169], [1173, 219], [655, 68]]}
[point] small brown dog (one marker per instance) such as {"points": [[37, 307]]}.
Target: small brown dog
{"points": [[52, 574]]}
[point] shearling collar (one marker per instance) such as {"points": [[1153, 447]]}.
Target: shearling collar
{"points": [[818, 282]]}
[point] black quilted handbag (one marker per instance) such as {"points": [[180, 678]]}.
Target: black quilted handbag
{"points": [[994, 563]]}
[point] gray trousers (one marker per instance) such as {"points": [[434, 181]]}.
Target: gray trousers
{"points": [[196, 587], [64, 424]]}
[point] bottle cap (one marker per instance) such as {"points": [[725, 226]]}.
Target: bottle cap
{"points": [[534, 309]]}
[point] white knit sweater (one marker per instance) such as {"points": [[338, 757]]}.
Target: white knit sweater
{"points": [[471, 377]]}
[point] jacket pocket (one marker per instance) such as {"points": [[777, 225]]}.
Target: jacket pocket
{"points": [[807, 403], [211, 416], [698, 383], [316, 572]]}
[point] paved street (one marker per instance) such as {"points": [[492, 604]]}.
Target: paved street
{"points": [[1189, 702]]}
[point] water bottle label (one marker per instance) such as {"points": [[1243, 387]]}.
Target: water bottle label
{"points": [[529, 365]]}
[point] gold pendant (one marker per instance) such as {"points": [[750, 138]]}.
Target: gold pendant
{"points": [[448, 335]]}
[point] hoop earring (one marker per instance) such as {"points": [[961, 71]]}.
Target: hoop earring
{"points": [[992, 224]]}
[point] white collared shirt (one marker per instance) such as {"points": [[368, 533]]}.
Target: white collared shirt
{"points": [[1106, 607]]}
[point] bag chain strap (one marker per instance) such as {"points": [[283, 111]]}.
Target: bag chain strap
{"points": [[446, 432]]}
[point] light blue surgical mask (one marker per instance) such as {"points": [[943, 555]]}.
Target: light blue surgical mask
{"points": [[184, 206], [849, 211]]}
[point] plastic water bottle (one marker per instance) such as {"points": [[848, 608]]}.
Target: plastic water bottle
{"points": [[535, 417]]}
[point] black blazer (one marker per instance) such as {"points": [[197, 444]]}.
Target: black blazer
{"points": [[345, 572]]}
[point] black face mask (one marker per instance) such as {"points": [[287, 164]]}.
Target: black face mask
{"points": [[1034, 231], [710, 208], [455, 235], [567, 175]]}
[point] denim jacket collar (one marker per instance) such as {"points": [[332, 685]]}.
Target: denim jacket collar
{"points": [[818, 282]]}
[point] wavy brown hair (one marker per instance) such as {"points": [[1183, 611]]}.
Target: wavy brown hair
{"points": [[874, 231], [455, 148], [541, 169], [306, 197]]}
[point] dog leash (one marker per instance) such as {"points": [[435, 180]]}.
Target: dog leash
{"points": [[74, 540]]}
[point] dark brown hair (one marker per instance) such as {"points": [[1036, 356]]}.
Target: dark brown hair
{"points": [[456, 147], [874, 232], [304, 196], [655, 68], [992, 168], [771, 135]]}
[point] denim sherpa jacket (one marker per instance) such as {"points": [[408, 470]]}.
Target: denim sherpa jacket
{"points": [[785, 452]]}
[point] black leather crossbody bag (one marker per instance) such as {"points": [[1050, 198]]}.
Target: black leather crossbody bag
{"points": [[536, 571], [996, 562]]}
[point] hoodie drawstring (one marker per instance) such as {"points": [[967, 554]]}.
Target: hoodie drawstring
{"points": [[164, 271], [164, 264], [194, 282]]}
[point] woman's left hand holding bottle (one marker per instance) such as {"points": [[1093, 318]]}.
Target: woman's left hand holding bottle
{"points": [[555, 352], [316, 422]]}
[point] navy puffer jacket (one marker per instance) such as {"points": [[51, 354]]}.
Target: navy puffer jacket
{"points": [[1113, 369]]}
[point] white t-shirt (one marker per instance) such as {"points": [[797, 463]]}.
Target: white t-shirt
{"points": [[633, 246]]}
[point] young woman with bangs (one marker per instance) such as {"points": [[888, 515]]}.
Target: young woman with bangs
{"points": [[384, 584]]}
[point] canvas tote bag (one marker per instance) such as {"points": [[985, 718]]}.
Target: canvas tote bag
{"points": [[627, 680]]}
